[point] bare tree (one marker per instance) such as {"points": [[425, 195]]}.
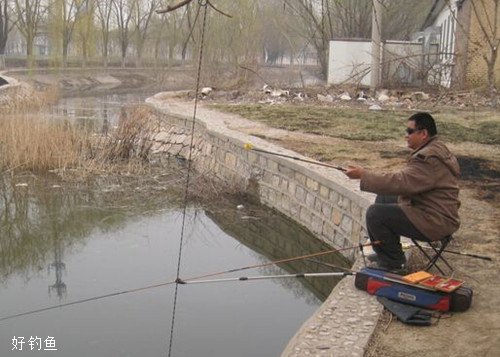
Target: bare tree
{"points": [[487, 14], [86, 30], [402, 18], [317, 25], [142, 13], [174, 22], [65, 15], [5, 26], [104, 10], [29, 15], [123, 13], [349, 19]]}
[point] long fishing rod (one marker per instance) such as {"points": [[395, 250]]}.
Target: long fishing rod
{"points": [[483, 257], [265, 277], [328, 265], [178, 281], [249, 146]]}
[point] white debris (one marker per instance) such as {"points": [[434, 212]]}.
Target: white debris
{"points": [[375, 107], [325, 98], [361, 95], [206, 91], [240, 207], [383, 97], [299, 96], [345, 96], [280, 93], [250, 217], [22, 184]]}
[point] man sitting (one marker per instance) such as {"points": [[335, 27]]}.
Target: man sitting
{"points": [[419, 202]]}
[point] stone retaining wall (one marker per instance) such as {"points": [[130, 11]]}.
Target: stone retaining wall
{"points": [[301, 191]]}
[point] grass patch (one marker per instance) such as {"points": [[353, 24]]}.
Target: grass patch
{"points": [[366, 125]]}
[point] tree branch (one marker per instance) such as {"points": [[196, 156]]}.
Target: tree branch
{"points": [[219, 11], [173, 7]]}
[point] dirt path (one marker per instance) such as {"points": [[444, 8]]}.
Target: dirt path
{"points": [[475, 332]]}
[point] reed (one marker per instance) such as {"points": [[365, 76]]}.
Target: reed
{"points": [[132, 139], [24, 98], [39, 144]]}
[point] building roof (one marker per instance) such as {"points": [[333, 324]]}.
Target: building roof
{"points": [[436, 9]]}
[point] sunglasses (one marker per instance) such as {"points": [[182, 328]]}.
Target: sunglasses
{"points": [[410, 131]]}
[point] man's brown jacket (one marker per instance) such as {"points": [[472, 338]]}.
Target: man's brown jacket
{"points": [[427, 188]]}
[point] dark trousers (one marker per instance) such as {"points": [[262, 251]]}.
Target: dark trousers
{"points": [[386, 222]]}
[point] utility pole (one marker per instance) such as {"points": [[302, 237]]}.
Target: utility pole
{"points": [[376, 44]]}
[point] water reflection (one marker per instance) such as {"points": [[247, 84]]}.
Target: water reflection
{"points": [[269, 233], [101, 236], [41, 217], [95, 114], [58, 267]]}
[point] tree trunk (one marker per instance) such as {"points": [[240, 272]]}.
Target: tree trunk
{"points": [[322, 57], [29, 51], [124, 53], [105, 52], [138, 60], [105, 58], [65, 54], [491, 77], [171, 49]]}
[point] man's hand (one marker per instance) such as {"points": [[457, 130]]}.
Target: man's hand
{"points": [[354, 172]]}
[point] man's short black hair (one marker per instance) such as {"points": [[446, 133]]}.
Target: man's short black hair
{"points": [[424, 121]]}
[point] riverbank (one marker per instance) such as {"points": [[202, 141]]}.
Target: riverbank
{"points": [[470, 333]]}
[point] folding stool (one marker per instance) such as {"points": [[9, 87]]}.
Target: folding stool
{"points": [[438, 253]]}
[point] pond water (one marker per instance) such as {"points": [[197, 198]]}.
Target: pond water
{"points": [[62, 242], [99, 114]]}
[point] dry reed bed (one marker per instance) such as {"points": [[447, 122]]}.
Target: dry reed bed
{"points": [[23, 97], [40, 144]]}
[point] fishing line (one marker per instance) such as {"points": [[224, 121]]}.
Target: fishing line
{"points": [[189, 163], [249, 146], [94, 298]]}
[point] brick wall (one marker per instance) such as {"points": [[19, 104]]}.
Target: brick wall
{"points": [[477, 73]]}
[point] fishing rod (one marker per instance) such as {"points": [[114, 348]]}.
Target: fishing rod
{"points": [[332, 266], [483, 257], [178, 281], [249, 146], [265, 277]]}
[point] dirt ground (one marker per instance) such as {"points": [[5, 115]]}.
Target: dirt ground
{"points": [[477, 331]]}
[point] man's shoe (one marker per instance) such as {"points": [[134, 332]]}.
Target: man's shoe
{"points": [[372, 257], [396, 269]]}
